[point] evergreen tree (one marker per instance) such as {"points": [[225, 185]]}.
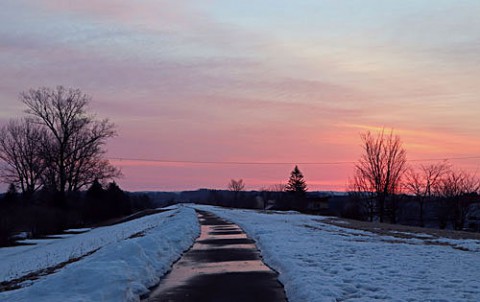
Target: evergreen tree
{"points": [[11, 196], [96, 207], [296, 184], [96, 190], [118, 200]]}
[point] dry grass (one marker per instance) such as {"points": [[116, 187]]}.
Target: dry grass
{"points": [[400, 231]]}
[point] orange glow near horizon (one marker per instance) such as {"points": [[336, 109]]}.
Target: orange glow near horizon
{"points": [[218, 81]]}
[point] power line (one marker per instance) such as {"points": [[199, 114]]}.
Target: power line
{"points": [[228, 162], [170, 161], [443, 159], [199, 162]]}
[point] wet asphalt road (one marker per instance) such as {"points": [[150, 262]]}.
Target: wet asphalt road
{"points": [[223, 265]]}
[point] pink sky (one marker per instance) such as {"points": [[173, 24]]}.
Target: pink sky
{"points": [[256, 81]]}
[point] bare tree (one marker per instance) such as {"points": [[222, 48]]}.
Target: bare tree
{"points": [[362, 196], [20, 149], [424, 182], [236, 186], [380, 168], [75, 139], [456, 189], [280, 187]]}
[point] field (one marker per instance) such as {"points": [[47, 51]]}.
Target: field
{"points": [[318, 258]]}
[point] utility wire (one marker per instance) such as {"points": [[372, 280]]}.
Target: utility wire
{"points": [[170, 161], [230, 162], [444, 159], [272, 163]]}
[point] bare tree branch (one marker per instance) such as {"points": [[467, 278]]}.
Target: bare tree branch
{"points": [[73, 148], [424, 182], [381, 167], [236, 185], [20, 145]]}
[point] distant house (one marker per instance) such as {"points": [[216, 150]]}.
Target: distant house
{"points": [[311, 204], [275, 205], [472, 219], [318, 205], [270, 204]]}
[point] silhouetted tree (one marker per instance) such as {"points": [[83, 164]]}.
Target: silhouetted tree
{"points": [[456, 189], [73, 149], [96, 190], [358, 207], [118, 201], [95, 204], [11, 196], [20, 148], [296, 190], [359, 192], [296, 183], [424, 182], [380, 168], [236, 186], [102, 204], [279, 188]]}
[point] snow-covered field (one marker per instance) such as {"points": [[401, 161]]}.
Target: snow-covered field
{"points": [[317, 261], [129, 258], [321, 262]]}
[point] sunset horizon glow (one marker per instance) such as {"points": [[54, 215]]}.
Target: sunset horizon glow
{"points": [[207, 91]]}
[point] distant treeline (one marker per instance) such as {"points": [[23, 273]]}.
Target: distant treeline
{"points": [[461, 212], [40, 215], [54, 157]]}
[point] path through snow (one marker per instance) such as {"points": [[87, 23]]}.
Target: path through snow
{"points": [[223, 265], [322, 262]]}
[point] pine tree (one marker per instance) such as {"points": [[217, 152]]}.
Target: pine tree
{"points": [[296, 183], [96, 208], [96, 190], [11, 196], [118, 200]]}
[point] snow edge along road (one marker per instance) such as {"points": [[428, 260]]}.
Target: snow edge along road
{"points": [[121, 271], [320, 262]]}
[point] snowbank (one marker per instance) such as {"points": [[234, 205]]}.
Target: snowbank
{"points": [[132, 257], [321, 262]]}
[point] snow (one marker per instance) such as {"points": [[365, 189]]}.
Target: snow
{"points": [[466, 244], [80, 230], [317, 261], [129, 258]]}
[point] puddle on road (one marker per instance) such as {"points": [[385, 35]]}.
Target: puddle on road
{"points": [[221, 248]]}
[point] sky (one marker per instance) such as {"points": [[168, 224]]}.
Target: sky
{"points": [[286, 82]]}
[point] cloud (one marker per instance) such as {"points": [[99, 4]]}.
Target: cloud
{"points": [[197, 81]]}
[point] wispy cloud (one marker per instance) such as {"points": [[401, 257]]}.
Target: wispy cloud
{"points": [[214, 80]]}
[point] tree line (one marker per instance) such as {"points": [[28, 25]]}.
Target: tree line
{"points": [[384, 188], [50, 157], [289, 196], [58, 146], [383, 178]]}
